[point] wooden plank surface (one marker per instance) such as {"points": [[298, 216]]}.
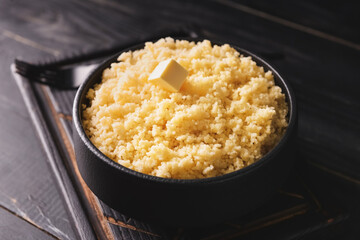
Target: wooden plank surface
{"points": [[27, 186], [327, 17], [321, 67], [77, 217], [15, 228]]}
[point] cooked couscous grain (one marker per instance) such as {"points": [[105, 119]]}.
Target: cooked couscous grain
{"points": [[227, 114]]}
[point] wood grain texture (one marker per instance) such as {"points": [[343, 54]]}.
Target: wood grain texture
{"points": [[76, 217], [328, 17], [322, 71], [27, 187], [15, 228], [99, 223]]}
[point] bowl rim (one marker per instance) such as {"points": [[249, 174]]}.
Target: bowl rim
{"points": [[286, 89]]}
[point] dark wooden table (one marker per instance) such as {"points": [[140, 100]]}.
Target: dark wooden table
{"points": [[314, 44]]}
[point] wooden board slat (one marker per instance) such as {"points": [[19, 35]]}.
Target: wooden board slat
{"points": [[76, 219], [13, 227], [338, 18], [27, 186]]}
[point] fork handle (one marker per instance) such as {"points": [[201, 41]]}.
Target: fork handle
{"points": [[189, 30]]}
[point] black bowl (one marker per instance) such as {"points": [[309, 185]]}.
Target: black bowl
{"points": [[178, 202]]}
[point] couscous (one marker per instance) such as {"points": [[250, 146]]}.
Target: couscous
{"points": [[227, 114]]}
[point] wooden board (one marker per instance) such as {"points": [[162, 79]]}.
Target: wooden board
{"points": [[314, 45], [295, 207]]}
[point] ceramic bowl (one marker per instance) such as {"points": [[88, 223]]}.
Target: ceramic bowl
{"points": [[177, 202]]}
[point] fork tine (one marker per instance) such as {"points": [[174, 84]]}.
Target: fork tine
{"points": [[42, 75], [19, 62], [30, 68], [24, 65], [21, 67], [25, 68], [65, 77], [23, 72], [35, 72], [35, 75]]}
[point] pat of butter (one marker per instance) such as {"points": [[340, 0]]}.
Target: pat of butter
{"points": [[169, 74]]}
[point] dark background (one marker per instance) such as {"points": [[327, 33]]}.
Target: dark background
{"points": [[314, 44]]}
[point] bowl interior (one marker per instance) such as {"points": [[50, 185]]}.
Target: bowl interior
{"points": [[95, 77]]}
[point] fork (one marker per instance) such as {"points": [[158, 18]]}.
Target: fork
{"points": [[66, 74], [69, 77]]}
